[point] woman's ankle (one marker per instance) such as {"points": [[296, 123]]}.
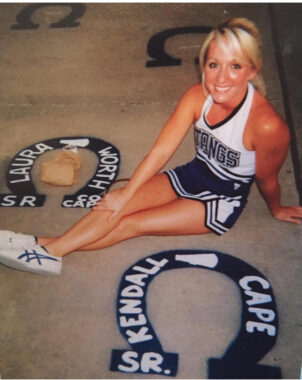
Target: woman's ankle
{"points": [[44, 240]]}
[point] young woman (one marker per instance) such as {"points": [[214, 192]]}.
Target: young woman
{"points": [[239, 137]]}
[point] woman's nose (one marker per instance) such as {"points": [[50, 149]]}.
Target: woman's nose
{"points": [[222, 75]]}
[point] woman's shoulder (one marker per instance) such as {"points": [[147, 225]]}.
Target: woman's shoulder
{"points": [[266, 120], [194, 98], [196, 92]]}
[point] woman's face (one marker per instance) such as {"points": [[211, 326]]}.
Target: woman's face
{"points": [[226, 74]]}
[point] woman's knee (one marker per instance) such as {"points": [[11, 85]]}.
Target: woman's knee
{"points": [[129, 226]]}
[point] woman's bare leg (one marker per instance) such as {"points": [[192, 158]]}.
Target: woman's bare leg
{"points": [[179, 217], [95, 225]]}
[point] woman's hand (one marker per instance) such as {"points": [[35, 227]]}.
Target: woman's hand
{"points": [[114, 201], [288, 214]]}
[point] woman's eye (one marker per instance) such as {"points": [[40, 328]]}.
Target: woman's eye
{"points": [[236, 66], [212, 65]]}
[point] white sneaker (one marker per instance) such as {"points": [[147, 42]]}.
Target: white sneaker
{"points": [[13, 240], [36, 260]]}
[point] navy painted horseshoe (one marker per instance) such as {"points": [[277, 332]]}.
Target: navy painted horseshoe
{"points": [[24, 193], [259, 320]]}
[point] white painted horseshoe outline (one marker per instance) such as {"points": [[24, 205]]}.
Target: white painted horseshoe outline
{"points": [[256, 336], [24, 193]]}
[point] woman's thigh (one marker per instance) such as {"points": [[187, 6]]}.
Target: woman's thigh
{"points": [[179, 217], [154, 193]]}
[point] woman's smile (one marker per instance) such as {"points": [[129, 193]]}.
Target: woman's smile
{"points": [[222, 89]]}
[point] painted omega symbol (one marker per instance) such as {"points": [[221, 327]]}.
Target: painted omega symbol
{"points": [[256, 336], [24, 193]]}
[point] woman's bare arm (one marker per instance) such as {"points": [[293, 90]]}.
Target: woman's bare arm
{"points": [[271, 144]]}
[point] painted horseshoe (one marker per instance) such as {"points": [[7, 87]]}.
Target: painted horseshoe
{"points": [[256, 336], [156, 45], [24, 21], [24, 193]]}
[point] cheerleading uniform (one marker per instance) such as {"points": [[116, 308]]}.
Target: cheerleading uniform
{"points": [[223, 170]]}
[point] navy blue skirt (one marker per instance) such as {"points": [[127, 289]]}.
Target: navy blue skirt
{"points": [[224, 199]]}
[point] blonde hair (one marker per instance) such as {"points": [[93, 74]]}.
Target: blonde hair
{"points": [[243, 35]]}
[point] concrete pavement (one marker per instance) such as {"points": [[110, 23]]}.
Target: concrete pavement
{"points": [[89, 75]]}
